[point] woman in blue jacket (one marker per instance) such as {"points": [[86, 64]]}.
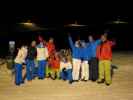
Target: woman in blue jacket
{"points": [[85, 57], [76, 58]]}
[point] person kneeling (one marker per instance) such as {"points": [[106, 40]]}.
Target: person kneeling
{"points": [[66, 70]]}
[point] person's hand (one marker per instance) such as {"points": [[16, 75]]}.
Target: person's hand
{"points": [[113, 41], [64, 69]]}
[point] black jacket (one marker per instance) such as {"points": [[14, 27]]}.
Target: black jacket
{"points": [[31, 53]]}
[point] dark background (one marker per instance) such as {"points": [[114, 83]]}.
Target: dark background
{"points": [[54, 24]]}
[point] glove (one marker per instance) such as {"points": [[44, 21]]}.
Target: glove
{"points": [[64, 69]]}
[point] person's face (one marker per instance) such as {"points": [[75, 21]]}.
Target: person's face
{"points": [[33, 44], [83, 45], [40, 38], [78, 44], [103, 38], [106, 34], [51, 40], [45, 42], [90, 38]]}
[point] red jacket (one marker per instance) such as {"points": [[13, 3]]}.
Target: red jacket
{"points": [[54, 62], [51, 48], [104, 51]]}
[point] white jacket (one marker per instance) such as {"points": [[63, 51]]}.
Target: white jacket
{"points": [[42, 53], [67, 65], [21, 56]]}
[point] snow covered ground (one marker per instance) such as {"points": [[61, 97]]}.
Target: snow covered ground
{"points": [[121, 88]]}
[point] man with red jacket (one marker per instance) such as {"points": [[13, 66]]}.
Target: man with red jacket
{"points": [[104, 55], [51, 47]]}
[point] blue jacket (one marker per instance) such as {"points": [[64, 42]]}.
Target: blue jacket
{"points": [[93, 46], [86, 53], [76, 52]]}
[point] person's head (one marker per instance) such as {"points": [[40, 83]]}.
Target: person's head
{"points": [[90, 38], [24, 47], [44, 42], [104, 38], [40, 38], [33, 43], [77, 44], [56, 55], [51, 40], [105, 34], [83, 44]]}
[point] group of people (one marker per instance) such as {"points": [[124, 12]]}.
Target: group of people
{"points": [[83, 61]]}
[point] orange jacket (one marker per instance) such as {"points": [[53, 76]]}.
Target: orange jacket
{"points": [[51, 48], [104, 51], [54, 62]]}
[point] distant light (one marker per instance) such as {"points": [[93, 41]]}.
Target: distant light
{"points": [[74, 25], [28, 23], [120, 22], [117, 22]]}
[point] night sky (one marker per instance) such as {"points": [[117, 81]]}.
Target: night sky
{"points": [[54, 25]]}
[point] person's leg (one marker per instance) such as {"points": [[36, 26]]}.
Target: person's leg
{"points": [[62, 75], [77, 69], [90, 69], [82, 70], [94, 69], [28, 70], [47, 71], [43, 69], [86, 65], [107, 64], [32, 68], [74, 69], [18, 74], [101, 71], [53, 72], [69, 74], [58, 74]]}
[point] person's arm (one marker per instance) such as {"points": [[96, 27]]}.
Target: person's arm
{"points": [[112, 43], [98, 41], [19, 55], [46, 53], [70, 42], [87, 44], [61, 66]]}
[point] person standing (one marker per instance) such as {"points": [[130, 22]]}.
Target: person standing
{"points": [[19, 60], [51, 51], [30, 61], [55, 66], [104, 55], [51, 46], [42, 55], [76, 58], [93, 62], [85, 57]]}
